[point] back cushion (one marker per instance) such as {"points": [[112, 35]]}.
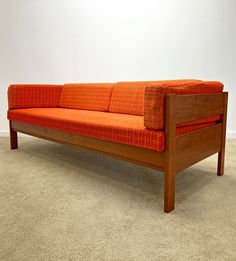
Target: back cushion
{"points": [[128, 97], [33, 95], [86, 96]]}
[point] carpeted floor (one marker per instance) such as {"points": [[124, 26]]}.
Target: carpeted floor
{"points": [[61, 203]]}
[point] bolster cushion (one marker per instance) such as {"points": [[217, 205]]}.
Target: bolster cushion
{"points": [[154, 100], [33, 95], [86, 96]]}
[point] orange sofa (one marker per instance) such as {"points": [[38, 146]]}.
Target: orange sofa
{"points": [[166, 125]]}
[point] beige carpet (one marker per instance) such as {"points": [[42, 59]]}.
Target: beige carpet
{"points": [[60, 203]]}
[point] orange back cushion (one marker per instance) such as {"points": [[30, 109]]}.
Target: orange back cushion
{"points": [[86, 96], [33, 95], [128, 97]]}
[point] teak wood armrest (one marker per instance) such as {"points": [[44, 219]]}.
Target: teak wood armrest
{"points": [[181, 151]]}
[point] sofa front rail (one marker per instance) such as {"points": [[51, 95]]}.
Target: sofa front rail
{"points": [[181, 151]]}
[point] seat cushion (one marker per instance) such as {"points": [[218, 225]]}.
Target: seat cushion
{"points": [[128, 97], [121, 128], [86, 96]]}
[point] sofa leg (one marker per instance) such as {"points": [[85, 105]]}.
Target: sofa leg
{"points": [[220, 165], [221, 154], [170, 159], [169, 197], [13, 139]]}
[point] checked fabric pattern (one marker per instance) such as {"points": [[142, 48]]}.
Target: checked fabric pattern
{"points": [[33, 95], [121, 128], [128, 97], [154, 100], [86, 96], [126, 112]]}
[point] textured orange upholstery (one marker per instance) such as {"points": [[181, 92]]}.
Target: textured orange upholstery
{"points": [[122, 128], [86, 96], [128, 97], [33, 95], [154, 104]]}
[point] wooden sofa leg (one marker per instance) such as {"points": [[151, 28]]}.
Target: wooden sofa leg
{"points": [[220, 165], [169, 197], [170, 161], [221, 154], [13, 138]]}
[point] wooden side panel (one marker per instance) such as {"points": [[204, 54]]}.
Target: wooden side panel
{"points": [[193, 107], [150, 158], [198, 145]]}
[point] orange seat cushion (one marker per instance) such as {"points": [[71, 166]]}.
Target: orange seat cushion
{"points": [[128, 97], [154, 104], [33, 95], [86, 96], [121, 128]]}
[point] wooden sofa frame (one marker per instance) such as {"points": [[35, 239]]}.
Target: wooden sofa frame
{"points": [[181, 151]]}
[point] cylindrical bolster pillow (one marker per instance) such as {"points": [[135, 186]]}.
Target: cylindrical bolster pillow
{"points": [[33, 95], [154, 98]]}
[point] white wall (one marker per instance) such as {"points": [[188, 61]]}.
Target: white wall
{"points": [[57, 41]]}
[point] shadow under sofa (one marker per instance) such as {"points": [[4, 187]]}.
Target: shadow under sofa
{"points": [[165, 125]]}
